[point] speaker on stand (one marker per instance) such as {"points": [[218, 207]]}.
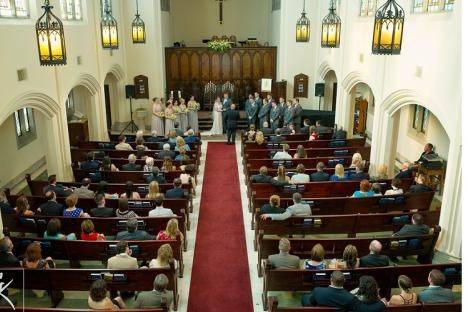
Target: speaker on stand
{"points": [[320, 91], [130, 94]]}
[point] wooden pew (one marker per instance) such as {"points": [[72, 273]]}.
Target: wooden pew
{"points": [[341, 224], [150, 145], [318, 189], [122, 176], [387, 278], [311, 152], [79, 250], [31, 309], [108, 226], [350, 205], [81, 280], [294, 137], [255, 164], [131, 137], [391, 246], [79, 154], [309, 144], [420, 307]]}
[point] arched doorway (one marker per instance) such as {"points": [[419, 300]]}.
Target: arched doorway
{"points": [[116, 109], [361, 117], [48, 139], [331, 91]]}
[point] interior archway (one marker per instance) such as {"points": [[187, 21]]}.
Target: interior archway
{"points": [[113, 99], [331, 91], [361, 110]]}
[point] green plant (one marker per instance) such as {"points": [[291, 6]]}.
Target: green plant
{"points": [[219, 46]]}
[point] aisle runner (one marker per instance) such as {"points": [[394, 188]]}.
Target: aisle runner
{"points": [[220, 274]]}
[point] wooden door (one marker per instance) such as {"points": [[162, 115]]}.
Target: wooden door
{"points": [[360, 119]]}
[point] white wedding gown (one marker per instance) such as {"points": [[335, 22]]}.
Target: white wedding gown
{"points": [[217, 128]]}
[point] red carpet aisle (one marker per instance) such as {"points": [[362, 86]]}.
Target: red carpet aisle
{"points": [[220, 274]]}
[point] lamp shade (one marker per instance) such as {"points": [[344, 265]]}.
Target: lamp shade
{"points": [[50, 38], [109, 31], [303, 27], [138, 28], [331, 29], [388, 29]]}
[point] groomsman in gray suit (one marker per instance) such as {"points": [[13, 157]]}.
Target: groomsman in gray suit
{"points": [[282, 107], [251, 108], [275, 114], [264, 113], [297, 114], [226, 106], [258, 103]]}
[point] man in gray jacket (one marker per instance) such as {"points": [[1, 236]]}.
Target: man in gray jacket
{"points": [[283, 260], [299, 209]]}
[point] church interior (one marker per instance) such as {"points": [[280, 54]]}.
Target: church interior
{"points": [[331, 131]]}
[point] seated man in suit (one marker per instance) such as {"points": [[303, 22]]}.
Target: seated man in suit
{"points": [[277, 138], [428, 150], [332, 296], [155, 176], [123, 259], [306, 126], [319, 175], [179, 132], [132, 232], [7, 258], [154, 138], [420, 185], [284, 154], [84, 191], [177, 191], [58, 189], [406, 172], [416, 228], [50, 207], [131, 166], [90, 163], [359, 174], [191, 137], [101, 211], [299, 208], [319, 128], [262, 177], [265, 129], [286, 129], [153, 298], [122, 146], [339, 134], [159, 210], [283, 260], [166, 152], [435, 293], [374, 258]]}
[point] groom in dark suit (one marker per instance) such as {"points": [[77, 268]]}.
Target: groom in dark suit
{"points": [[226, 104], [231, 119]]}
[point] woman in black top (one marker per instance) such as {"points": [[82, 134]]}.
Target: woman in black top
{"points": [[273, 207], [368, 295]]}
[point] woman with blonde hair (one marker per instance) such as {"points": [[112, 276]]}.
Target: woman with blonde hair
{"points": [[356, 160], [171, 232], [163, 258], [300, 153], [339, 174], [259, 138], [180, 143], [381, 174], [153, 190], [281, 175]]}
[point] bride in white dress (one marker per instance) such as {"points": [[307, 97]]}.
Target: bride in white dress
{"points": [[217, 118]]}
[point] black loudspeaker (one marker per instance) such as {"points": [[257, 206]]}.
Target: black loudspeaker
{"points": [[130, 91], [320, 89]]}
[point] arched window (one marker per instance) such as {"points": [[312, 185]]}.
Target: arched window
{"points": [[71, 10], [14, 8]]}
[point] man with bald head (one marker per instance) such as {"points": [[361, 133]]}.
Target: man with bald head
{"points": [[374, 258]]}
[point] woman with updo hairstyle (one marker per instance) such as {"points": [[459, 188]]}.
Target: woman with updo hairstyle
{"points": [[273, 207], [406, 296]]}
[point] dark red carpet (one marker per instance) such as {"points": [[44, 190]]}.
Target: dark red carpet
{"points": [[220, 274]]}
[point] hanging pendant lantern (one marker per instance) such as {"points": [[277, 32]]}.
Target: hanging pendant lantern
{"points": [[331, 28], [388, 29], [50, 38], [303, 27], [109, 31], [138, 28]]}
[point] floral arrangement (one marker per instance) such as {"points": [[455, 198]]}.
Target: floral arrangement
{"points": [[160, 114], [170, 116], [219, 46], [194, 106]]}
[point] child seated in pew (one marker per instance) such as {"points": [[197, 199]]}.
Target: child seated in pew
{"points": [[88, 233], [316, 262], [53, 231]]}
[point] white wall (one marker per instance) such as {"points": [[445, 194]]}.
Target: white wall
{"points": [[194, 20]]}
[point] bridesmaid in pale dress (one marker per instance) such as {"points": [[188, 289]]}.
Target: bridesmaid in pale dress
{"points": [[183, 115], [176, 109], [170, 117], [157, 124], [193, 108]]}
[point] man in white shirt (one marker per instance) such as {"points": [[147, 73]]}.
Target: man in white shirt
{"points": [[122, 146], [123, 260], [300, 177], [299, 209], [160, 211], [283, 154]]}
